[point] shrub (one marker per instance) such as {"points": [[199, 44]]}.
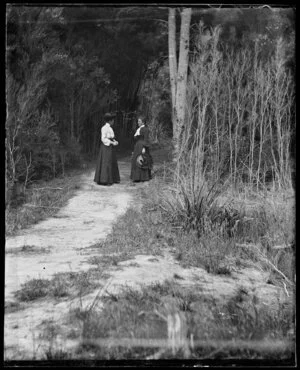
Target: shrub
{"points": [[194, 205], [33, 289]]}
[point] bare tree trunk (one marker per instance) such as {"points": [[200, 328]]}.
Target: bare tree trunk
{"points": [[181, 77], [172, 60]]}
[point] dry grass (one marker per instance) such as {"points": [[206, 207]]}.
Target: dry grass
{"points": [[42, 199], [141, 316], [234, 216], [61, 285], [136, 233], [210, 224], [268, 226], [28, 249]]}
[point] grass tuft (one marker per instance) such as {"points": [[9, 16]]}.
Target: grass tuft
{"points": [[33, 289], [60, 286], [143, 314], [43, 199]]}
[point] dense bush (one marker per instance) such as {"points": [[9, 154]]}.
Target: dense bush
{"points": [[239, 113]]}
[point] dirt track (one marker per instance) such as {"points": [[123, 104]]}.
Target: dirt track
{"points": [[64, 244], [59, 244]]}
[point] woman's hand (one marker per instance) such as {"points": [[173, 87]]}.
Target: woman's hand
{"points": [[143, 150], [115, 143]]}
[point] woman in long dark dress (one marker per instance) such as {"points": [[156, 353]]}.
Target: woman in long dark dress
{"points": [[107, 170], [142, 162]]}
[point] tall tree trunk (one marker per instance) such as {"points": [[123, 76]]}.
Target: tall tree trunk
{"points": [[182, 71], [178, 77], [172, 60]]}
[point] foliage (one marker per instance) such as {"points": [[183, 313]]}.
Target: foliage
{"points": [[31, 133], [41, 200], [66, 66], [194, 205], [154, 96], [239, 112]]}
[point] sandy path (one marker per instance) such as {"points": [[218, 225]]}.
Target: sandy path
{"points": [[56, 244]]}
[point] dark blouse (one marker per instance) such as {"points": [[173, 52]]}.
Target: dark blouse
{"points": [[144, 135]]}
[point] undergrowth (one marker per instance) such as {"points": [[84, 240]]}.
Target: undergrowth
{"points": [[43, 199], [219, 229], [135, 314], [61, 285]]}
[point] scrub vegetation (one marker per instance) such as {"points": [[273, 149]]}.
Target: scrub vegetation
{"points": [[222, 124]]}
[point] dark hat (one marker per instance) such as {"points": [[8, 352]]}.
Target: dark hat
{"points": [[108, 116], [142, 162]]}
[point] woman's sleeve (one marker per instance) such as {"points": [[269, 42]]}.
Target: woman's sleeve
{"points": [[105, 136], [137, 132]]}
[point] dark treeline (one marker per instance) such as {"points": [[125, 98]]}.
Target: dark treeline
{"points": [[67, 66]]}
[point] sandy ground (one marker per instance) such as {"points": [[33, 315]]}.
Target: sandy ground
{"points": [[64, 243], [58, 244]]}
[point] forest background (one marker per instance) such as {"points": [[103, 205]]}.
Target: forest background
{"points": [[67, 66]]}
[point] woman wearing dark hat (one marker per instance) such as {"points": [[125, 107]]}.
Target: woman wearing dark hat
{"points": [[141, 163], [107, 170]]}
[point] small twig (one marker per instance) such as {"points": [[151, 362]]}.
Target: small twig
{"points": [[48, 188], [284, 285], [281, 273]]}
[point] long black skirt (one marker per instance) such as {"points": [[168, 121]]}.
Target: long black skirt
{"points": [[107, 170], [137, 173]]}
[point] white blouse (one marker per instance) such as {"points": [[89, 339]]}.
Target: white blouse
{"points": [[107, 133], [138, 130]]}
